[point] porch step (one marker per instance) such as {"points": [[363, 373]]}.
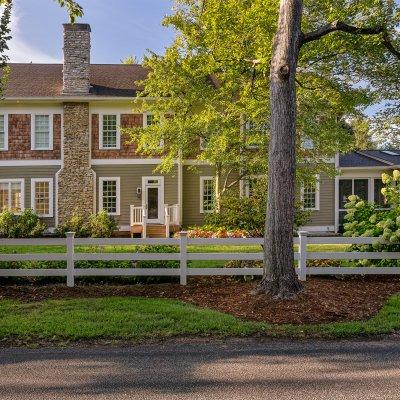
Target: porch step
{"points": [[155, 231]]}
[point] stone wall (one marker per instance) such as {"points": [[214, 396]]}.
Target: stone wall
{"points": [[76, 71], [76, 181], [19, 140]]}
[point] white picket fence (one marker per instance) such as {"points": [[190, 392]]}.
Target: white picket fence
{"points": [[183, 256]]}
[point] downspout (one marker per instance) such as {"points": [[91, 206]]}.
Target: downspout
{"points": [[180, 186], [337, 193]]}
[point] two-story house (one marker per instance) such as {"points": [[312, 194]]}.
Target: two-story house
{"points": [[61, 152]]}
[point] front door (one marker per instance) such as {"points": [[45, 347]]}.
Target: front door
{"points": [[153, 198]]}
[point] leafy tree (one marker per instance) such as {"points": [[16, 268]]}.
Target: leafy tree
{"points": [[129, 60], [213, 79], [353, 21]]}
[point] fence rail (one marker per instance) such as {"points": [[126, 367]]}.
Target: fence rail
{"points": [[183, 256]]}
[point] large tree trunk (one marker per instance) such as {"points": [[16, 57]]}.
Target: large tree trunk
{"points": [[280, 278]]}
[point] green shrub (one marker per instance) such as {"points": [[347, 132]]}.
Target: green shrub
{"points": [[101, 265], [77, 223], [370, 220], [99, 225], [25, 225], [247, 213], [8, 222]]}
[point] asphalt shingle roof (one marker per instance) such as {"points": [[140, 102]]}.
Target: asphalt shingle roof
{"points": [[369, 158], [45, 80]]}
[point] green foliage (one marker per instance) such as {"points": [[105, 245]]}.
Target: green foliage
{"points": [[101, 225], [213, 82], [248, 213], [370, 220], [74, 9], [130, 60], [25, 225], [96, 225], [77, 223]]}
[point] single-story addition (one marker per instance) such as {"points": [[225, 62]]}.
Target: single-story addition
{"points": [[359, 173], [61, 152]]}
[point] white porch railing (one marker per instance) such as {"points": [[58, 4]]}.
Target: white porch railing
{"points": [[138, 217], [173, 212], [183, 256]]}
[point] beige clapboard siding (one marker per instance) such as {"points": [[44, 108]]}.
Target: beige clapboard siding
{"points": [[28, 173], [326, 214], [191, 193], [130, 179]]}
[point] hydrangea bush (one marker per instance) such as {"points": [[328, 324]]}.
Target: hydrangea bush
{"points": [[370, 220]]}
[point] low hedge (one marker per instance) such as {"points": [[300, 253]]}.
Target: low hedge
{"points": [[82, 264]]}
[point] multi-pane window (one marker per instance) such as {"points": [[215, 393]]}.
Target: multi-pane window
{"points": [[11, 195], [310, 195], [42, 196], [110, 195], [3, 132], [42, 132], [150, 120], [110, 134], [207, 194]]}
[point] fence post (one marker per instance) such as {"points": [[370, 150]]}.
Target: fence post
{"points": [[70, 259], [183, 256], [303, 255]]}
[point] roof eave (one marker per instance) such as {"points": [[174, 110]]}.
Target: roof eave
{"points": [[72, 98]]}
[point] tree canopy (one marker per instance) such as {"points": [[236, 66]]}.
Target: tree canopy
{"points": [[213, 81]]}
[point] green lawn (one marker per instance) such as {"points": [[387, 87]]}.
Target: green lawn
{"points": [[132, 318]]}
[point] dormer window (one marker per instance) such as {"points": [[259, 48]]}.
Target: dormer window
{"points": [[110, 135], [42, 132]]}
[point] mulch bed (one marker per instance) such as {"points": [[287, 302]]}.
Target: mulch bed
{"points": [[323, 299]]}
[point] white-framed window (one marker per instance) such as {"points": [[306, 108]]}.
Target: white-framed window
{"points": [[42, 196], [207, 194], [110, 137], [310, 195], [3, 132], [12, 192], [41, 131], [110, 195], [148, 120]]}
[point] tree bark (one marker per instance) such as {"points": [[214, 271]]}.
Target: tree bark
{"points": [[280, 278]]}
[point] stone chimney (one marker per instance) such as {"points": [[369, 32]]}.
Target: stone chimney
{"points": [[76, 179], [76, 69]]}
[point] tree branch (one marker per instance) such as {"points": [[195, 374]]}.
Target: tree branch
{"points": [[354, 30], [338, 26], [388, 44]]}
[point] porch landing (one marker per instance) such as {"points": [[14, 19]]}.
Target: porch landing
{"points": [[154, 230]]}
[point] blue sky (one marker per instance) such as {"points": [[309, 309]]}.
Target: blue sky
{"points": [[119, 28]]}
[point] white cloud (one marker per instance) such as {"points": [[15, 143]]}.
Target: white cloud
{"points": [[21, 51]]}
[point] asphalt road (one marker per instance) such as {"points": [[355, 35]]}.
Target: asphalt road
{"points": [[234, 369]]}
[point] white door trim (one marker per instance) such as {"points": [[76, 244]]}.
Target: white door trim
{"points": [[160, 185]]}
